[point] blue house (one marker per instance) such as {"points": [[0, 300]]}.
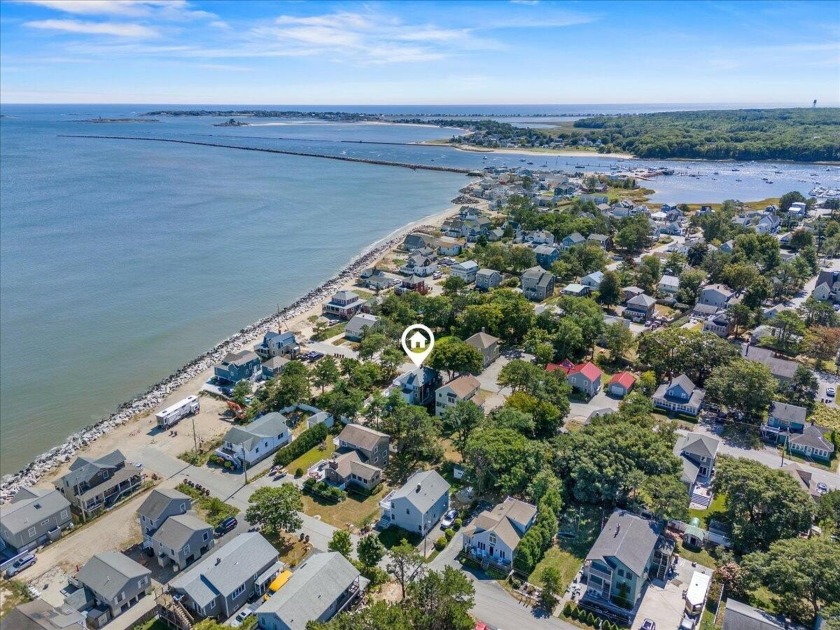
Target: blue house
{"points": [[237, 366], [680, 395], [573, 239], [418, 386], [782, 420], [547, 255], [277, 345]]}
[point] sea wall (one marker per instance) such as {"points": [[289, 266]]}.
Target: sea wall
{"points": [[152, 397]]}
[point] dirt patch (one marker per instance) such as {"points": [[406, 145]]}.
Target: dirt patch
{"points": [[390, 592]]}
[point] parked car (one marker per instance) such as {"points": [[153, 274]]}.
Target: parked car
{"points": [[830, 391], [20, 564], [227, 525], [448, 519], [241, 616], [822, 488], [649, 625]]}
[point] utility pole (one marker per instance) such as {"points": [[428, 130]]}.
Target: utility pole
{"points": [[195, 440]]}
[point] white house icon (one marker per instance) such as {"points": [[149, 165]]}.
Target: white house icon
{"points": [[417, 341]]}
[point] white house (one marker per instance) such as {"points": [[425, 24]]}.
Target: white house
{"points": [[419, 504], [593, 280], [465, 270], [462, 388], [669, 284], [715, 295], [680, 395], [496, 533], [253, 442]]}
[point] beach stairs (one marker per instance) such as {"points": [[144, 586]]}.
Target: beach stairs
{"points": [[701, 500]]}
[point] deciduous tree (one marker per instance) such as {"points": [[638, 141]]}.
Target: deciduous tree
{"points": [[743, 386], [459, 421], [341, 543], [275, 509], [404, 563]]}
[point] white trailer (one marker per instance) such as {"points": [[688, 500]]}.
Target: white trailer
{"points": [[695, 596], [171, 415]]}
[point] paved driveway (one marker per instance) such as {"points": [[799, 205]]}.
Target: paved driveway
{"points": [[663, 601], [600, 401]]}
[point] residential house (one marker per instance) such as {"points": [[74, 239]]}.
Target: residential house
{"points": [[782, 420], [617, 566], [359, 325], [462, 388], [466, 270], [593, 280], [827, 288], [249, 443], [740, 616], [669, 285], [487, 345], [39, 615], [621, 384], [602, 240], [640, 308], [728, 247], [720, 324], [115, 582], [564, 366], [486, 279], [413, 283], [546, 255], [804, 478], [628, 293], [159, 505], [576, 290], [496, 234], [96, 484], [323, 586], [372, 445], [378, 280], [704, 311], [767, 224], [224, 580], [680, 395], [812, 443], [181, 540], [537, 284], [343, 304], [448, 246], [32, 518], [418, 386], [716, 295], [238, 366], [274, 367], [697, 453], [417, 240], [419, 265], [573, 239], [496, 533], [419, 504], [538, 237], [275, 344], [585, 377], [783, 369]]}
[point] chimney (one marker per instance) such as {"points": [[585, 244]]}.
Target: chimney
{"points": [[617, 529], [218, 561], [417, 489]]}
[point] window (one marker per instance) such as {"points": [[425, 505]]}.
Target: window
{"points": [[239, 590], [620, 572], [205, 536], [46, 521], [31, 532], [64, 514], [501, 554], [104, 474], [407, 511], [492, 539], [141, 582], [186, 550], [121, 596]]}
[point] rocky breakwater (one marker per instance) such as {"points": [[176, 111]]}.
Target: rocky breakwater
{"points": [[155, 395]]}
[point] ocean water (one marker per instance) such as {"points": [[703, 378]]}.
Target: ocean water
{"points": [[123, 260]]}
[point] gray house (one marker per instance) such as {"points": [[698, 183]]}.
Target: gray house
{"points": [[95, 484], [419, 504], [619, 562], [740, 616], [158, 506], [487, 345], [181, 540], [39, 615], [223, 581], [359, 324], [276, 344], [537, 284], [680, 395], [33, 517], [237, 366], [323, 586], [418, 386], [115, 581], [250, 443], [640, 308], [697, 453], [486, 279], [274, 367]]}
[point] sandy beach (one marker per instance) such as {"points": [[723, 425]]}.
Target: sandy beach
{"points": [[528, 151], [135, 427]]}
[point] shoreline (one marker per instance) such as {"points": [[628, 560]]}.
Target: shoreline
{"points": [[528, 151], [141, 405]]}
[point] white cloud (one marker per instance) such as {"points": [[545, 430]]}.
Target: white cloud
{"points": [[175, 10], [117, 29]]}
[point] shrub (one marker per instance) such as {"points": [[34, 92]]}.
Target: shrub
{"points": [[458, 524], [440, 543], [515, 582], [574, 613], [449, 533], [591, 619], [298, 473], [305, 441], [309, 483], [567, 609]]}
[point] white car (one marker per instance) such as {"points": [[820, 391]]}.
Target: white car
{"points": [[448, 519], [830, 391]]}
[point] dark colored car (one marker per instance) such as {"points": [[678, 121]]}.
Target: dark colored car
{"points": [[227, 525], [20, 564], [649, 625]]}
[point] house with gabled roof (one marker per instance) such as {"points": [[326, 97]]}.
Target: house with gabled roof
{"points": [[546, 255], [418, 386], [679, 394], [717, 295], [812, 443], [274, 367], [93, 485], [249, 443], [115, 583], [39, 615], [640, 308], [159, 505], [360, 324], [417, 240], [486, 279], [237, 366], [224, 580], [572, 240], [496, 533], [33, 517], [325, 585], [537, 284], [621, 384], [277, 344], [668, 284], [741, 616], [181, 540], [464, 387], [783, 419], [343, 304], [619, 563], [783, 369], [466, 270], [418, 505], [698, 453], [827, 287], [487, 345], [585, 377], [593, 280]]}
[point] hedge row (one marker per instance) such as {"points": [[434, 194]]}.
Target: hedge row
{"points": [[325, 490], [588, 618], [536, 540], [305, 441]]}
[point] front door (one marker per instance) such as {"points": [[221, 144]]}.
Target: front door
{"points": [[491, 550]]}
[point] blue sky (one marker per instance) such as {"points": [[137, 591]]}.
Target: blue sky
{"points": [[518, 52]]}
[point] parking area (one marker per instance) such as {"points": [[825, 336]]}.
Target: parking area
{"points": [[664, 603]]}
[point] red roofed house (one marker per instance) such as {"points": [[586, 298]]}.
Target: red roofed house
{"points": [[585, 377], [563, 366], [621, 384]]}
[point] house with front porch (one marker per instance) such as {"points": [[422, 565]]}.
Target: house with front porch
{"points": [[812, 443], [93, 485], [276, 344], [343, 304], [32, 518], [495, 534], [249, 443], [680, 395], [698, 453], [783, 419], [618, 565], [159, 505]]}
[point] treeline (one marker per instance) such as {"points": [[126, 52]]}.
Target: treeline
{"points": [[267, 113], [804, 135]]}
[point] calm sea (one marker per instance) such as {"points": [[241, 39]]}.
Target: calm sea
{"points": [[121, 261]]}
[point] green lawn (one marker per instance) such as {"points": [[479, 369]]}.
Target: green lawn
{"points": [[569, 553], [394, 535], [154, 624], [700, 556], [332, 331], [213, 510], [312, 456], [715, 510], [356, 509]]}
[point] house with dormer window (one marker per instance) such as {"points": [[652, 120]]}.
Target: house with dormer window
{"points": [[679, 394]]}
